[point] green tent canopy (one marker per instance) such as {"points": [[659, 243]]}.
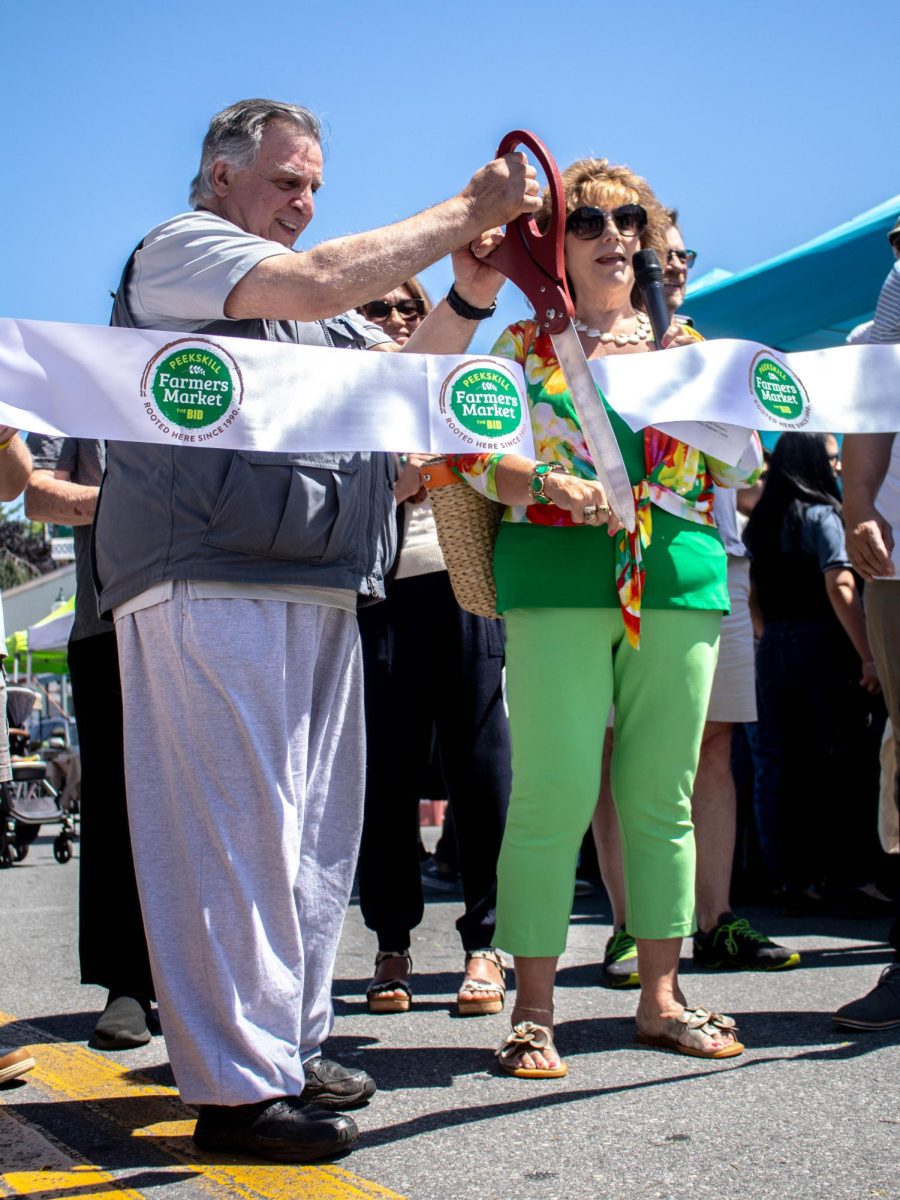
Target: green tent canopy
{"points": [[806, 299], [41, 649]]}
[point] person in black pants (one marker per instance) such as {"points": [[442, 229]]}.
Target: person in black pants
{"points": [[429, 666], [111, 943]]}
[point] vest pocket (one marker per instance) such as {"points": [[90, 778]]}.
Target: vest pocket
{"points": [[294, 507]]}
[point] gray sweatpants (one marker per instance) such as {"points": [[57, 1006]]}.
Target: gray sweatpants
{"points": [[244, 761]]}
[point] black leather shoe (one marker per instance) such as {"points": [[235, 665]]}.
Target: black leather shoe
{"points": [[283, 1130], [330, 1085]]}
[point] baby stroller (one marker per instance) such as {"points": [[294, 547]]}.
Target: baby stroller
{"points": [[29, 800]]}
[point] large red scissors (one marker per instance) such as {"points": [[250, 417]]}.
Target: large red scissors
{"points": [[535, 262]]}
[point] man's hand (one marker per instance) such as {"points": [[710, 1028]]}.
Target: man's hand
{"points": [[502, 190], [677, 335], [869, 679], [870, 544]]}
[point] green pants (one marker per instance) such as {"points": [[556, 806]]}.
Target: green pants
{"points": [[564, 668]]}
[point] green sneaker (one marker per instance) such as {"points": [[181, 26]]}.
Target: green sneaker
{"points": [[735, 943], [620, 964]]}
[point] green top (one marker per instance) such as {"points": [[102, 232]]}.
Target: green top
{"points": [[552, 566]]}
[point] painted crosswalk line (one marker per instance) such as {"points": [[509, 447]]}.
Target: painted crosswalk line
{"points": [[141, 1108]]}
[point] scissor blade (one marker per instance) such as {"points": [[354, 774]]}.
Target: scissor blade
{"points": [[595, 425]]}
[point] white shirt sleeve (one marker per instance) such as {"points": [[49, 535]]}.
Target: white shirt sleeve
{"points": [[886, 325], [188, 266]]}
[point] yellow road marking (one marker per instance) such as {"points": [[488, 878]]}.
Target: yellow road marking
{"points": [[150, 1110], [85, 1183]]}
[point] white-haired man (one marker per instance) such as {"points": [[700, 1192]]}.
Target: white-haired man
{"points": [[234, 591]]}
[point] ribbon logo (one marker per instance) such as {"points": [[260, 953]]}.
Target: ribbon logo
{"points": [[481, 404], [778, 392], [192, 390]]}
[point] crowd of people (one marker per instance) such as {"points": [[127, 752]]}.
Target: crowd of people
{"points": [[272, 677]]}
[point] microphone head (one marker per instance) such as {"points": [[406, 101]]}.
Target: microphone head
{"points": [[647, 268]]}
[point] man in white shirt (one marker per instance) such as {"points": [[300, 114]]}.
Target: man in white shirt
{"points": [[871, 479], [234, 587], [871, 485]]}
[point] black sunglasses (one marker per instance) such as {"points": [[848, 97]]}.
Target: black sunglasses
{"points": [[687, 257], [380, 310], [587, 223]]}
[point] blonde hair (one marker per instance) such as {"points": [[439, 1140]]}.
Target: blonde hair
{"points": [[593, 182]]}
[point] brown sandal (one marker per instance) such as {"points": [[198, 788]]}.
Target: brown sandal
{"points": [[389, 995], [480, 997], [523, 1038], [692, 1023]]}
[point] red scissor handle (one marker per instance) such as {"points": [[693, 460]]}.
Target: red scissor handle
{"points": [[535, 261]]}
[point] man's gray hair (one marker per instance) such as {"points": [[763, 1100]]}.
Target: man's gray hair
{"points": [[235, 134]]}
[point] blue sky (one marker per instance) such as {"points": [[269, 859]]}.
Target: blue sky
{"points": [[764, 123]]}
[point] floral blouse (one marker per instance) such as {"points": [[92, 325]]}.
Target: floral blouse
{"points": [[678, 478]]}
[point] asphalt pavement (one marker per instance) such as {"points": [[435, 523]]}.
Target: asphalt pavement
{"points": [[807, 1112]]}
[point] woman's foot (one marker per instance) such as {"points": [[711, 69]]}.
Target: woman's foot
{"points": [[483, 988], [389, 991], [528, 1051], [697, 1032]]}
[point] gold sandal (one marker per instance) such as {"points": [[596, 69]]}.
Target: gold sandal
{"points": [[483, 996], [523, 1038], [692, 1023], [380, 994]]}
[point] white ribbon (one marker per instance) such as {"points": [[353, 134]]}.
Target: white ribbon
{"points": [[709, 394], [96, 382], [92, 381]]}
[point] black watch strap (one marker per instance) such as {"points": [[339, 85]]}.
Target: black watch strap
{"points": [[468, 312]]}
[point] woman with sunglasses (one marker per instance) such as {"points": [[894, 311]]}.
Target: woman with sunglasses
{"points": [[595, 617], [431, 668]]}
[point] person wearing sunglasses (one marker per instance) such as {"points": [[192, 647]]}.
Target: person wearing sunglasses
{"points": [[676, 264], [400, 311], [429, 667], [596, 617], [722, 939]]}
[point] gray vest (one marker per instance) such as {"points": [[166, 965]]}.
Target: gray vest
{"points": [[180, 512]]}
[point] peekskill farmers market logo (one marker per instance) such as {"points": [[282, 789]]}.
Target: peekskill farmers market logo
{"points": [[480, 402], [778, 392], [192, 390]]}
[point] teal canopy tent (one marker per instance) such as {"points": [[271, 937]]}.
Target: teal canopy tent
{"points": [[807, 298]]}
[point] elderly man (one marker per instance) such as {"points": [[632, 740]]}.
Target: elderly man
{"points": [[234, 586]]}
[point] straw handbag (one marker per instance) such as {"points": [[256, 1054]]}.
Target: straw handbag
{"points": [[467, 525]]}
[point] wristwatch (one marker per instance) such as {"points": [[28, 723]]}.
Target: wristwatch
{"points": [[537, 478]]}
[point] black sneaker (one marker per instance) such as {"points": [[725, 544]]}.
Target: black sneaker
{"points": [[282, 1130], [878, 1009], [620, 963], [330, 1085], [735, 943]]}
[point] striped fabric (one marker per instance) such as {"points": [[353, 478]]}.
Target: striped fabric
{"points": [[886, 325]]}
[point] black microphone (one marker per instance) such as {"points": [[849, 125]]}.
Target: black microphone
{"points": [[648, 275]]}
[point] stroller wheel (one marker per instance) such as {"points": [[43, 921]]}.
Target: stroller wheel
{"points": [[62, 851], [8, 855]]}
